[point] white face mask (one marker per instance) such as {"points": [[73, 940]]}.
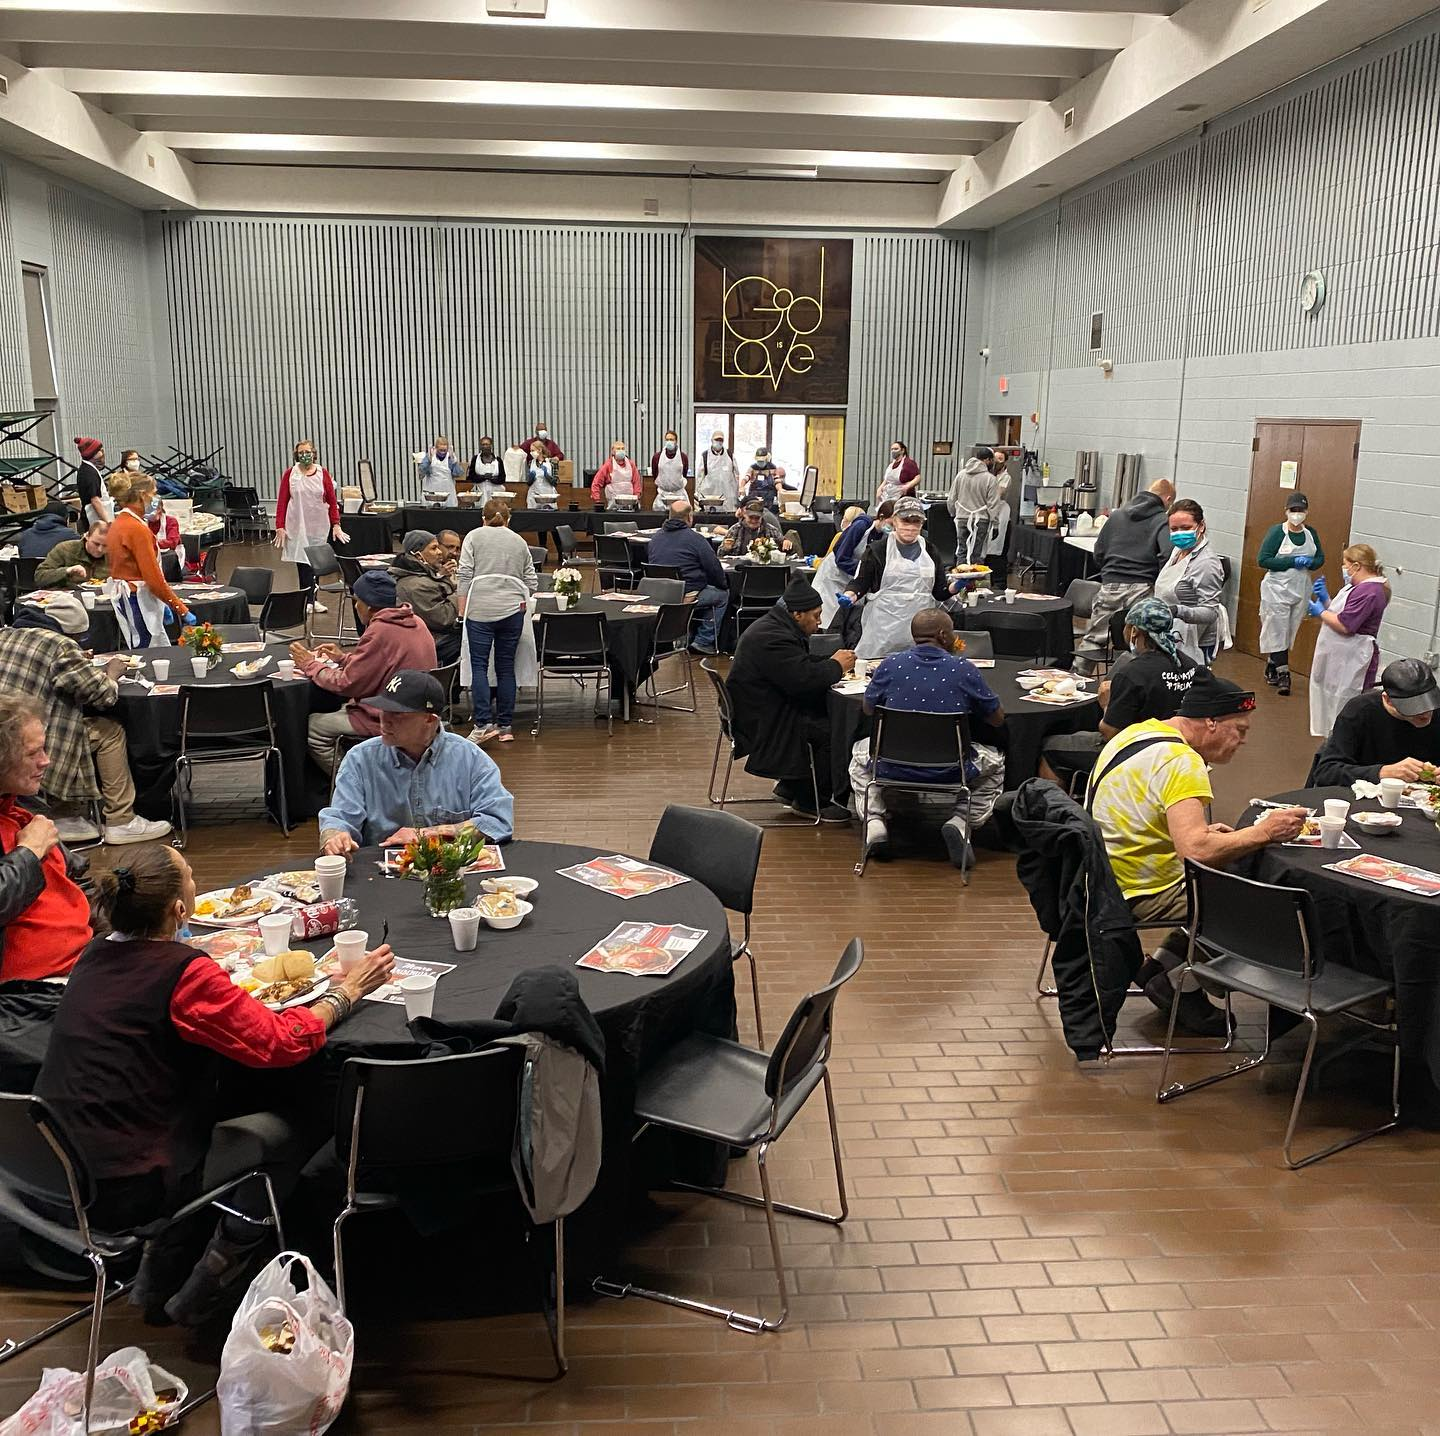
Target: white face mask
{"points": [[132, 466], [542, 433], [619, 456], [1295, 520], [717, 446]]}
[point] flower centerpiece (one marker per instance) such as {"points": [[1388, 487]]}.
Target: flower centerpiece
{"points": [[439, 861], [763, 549], [567, 587], [203, 641]]}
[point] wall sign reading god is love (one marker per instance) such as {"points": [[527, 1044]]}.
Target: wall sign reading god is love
{"points": [[772, 320]]}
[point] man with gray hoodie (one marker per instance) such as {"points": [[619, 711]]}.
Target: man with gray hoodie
{"points": [[1129, 555]]}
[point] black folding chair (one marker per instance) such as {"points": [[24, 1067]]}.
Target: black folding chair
{"points": [[1014, 635], [722, 851], [572, 645], [538, 554], [937, 741], [663, 590], [661, 570], [25, 569], [712, 1088], [671, 639], [978, 643], [1081, 597], [227, 723], [566, 549], [286, 611], [725, 738], [1264, 941], [616, 563], [255, 583], [619, 526], [210, 562], [434, 1124], [761, 586], [245, 518], [323, 561], [171, 569], [448, 677], [47, 1190], [238, 632]]}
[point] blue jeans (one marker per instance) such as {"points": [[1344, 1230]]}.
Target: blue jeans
{"points": [[504, 636], [710, 605]]}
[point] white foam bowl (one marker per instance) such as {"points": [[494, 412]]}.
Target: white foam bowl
{"points": [[1030, 684], [504, 924], [1377, 822], [521, 887]]}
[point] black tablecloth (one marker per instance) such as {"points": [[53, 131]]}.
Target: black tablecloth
{"points": [[229, 606], [641, 1017], [152, 729], [369, 533], [1062, 561], [1057, 613], [1378, 930], [628, 636], [1027, 726], [527, 521]]}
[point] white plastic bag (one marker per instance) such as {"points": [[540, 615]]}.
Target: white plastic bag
{"points": [[265, 1392], [125, 1386]]}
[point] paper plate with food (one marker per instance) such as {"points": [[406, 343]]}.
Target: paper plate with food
{"points": [[301, 884], [289, 979], [503, 910], [233, 907]]}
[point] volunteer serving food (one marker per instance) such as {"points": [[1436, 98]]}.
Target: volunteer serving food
{"points": [[1290, 553], [1346, 652]]}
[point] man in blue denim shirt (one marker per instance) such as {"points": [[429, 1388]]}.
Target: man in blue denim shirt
{"points": [[415, 776], [932, 678]]}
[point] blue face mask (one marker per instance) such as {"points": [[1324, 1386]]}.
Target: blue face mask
{"points": [[1184, 539]]}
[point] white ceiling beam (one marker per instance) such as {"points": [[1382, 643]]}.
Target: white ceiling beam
{"points": [[119, 86], [1211, 57], [1009, 90]]}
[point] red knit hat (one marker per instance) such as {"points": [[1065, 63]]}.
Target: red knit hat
{"points": [[89, 448]]}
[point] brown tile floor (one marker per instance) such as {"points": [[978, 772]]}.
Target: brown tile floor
{"points": [[1032, 1248]]}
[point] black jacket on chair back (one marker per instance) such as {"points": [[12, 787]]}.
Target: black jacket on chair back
{"points": [[1063, 866]]}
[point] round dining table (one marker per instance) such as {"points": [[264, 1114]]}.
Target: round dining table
{"points": [[209, 602], [629, 637], [1057, 614], [639, 1017], [1376, 929], [151, 719], [1028, 723]]}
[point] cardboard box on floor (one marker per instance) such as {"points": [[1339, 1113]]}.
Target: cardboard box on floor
{"points": [[24, 498]]}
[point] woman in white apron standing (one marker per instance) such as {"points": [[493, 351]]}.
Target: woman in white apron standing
{"points": [[830, 578], [1191, 582], [1347, 653], [669, 465], [617, 478], [306, 512], [487, 474], [717, 480], [1290, 554], [901, 576], [900, 478], [543, 492]]}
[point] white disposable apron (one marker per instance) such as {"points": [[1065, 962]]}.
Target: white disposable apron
{"points": [[543, 492], [1337, 672], [719, 479], [526, 658], [307, 519], [1285, 597], [669, 481], [139, 614], [890, 485], [624, 483], [830, 579], [907, 586], [1193, 638]]}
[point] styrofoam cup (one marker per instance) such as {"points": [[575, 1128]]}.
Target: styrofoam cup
{"points": [[285, 667], [419, 994], [1391, 790], [330, 876], [350, 948], [465, 928], [1330, 830], [161, 669], [1009, 595], [201, 666], [275, 932], [1337, 808]]}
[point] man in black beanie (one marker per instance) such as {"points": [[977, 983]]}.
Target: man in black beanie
{"points": [[778, 694], [1149, 793]]}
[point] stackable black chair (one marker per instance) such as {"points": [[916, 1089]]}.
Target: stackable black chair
{"points": [[1014, 635], [671, 639], [1263, 941], [286, 611], [938, 741], [978, 643], [1081, 598], [715, 1089], [538, 554], [434, 1124], [662, 590], [47, 1190], [255, 583], [615, 562], [761, 586], [225, 724], [661, 570], [722, 851], [572, 645], [322, 559]]}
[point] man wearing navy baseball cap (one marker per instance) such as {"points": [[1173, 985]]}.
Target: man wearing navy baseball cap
{"points": [[393, 639], [415, 777]]}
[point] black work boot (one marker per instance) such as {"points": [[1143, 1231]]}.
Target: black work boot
{"points": [[1282, 682]]}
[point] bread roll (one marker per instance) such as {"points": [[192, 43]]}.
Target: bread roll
{"points": [[289, 966]]}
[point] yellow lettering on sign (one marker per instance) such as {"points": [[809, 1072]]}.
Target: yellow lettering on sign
{"points": [[763, 343]]}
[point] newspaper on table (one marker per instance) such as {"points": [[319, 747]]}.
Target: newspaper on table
{"points": [[1389, 874], [622, 876], [644, 949]]}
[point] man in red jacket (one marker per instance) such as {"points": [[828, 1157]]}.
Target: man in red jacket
{"points": [[393, 639]]}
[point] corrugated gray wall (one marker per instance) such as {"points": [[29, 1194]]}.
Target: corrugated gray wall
{"points": [[15, 392], [907, 354], [101, 318], [372, 337]]}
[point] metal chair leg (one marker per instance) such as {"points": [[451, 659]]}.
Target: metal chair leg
{"points": [[12, 1347], [340, 1255], [1179, 1089], [92, 1356], [1295, 1163], [1040, 989]]}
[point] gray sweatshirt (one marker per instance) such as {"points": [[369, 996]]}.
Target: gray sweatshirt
{"points": [[487, 553]]}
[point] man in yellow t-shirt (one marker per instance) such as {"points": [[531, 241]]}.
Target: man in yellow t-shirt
{"points": [[1150, 807]]}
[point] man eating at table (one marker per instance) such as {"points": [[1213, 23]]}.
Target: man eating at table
{"points": [[76, 561], [1148, 795], [932, 678], [415, 776], [1385, 733], [754, 521], [393, 639]]}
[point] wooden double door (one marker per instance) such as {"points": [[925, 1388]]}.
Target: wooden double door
{"points": [[1324, 453]]}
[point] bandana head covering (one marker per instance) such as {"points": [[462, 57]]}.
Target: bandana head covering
{"points": [[1153, 618]]}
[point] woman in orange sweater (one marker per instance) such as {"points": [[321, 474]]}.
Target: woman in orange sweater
{"points": [[135, 559]]}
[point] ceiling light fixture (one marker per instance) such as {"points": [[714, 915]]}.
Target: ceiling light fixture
{"points": [[781, 172]]}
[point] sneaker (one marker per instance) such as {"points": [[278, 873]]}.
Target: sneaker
{"points": [[505, 735], [218, 1282], [877, 838], [1272, 674], [1282, 683], [318, 607], [834, 813], [137, 830], [481, 736], [705, 650], [76, 830], [956, 833]]}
